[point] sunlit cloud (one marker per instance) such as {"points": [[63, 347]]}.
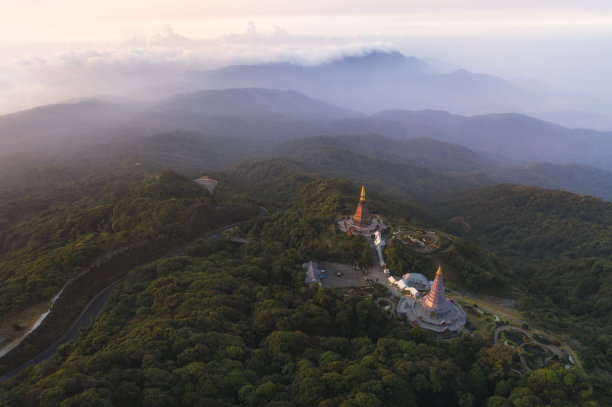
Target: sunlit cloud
{"points": [[121, 47], [158, 60]]}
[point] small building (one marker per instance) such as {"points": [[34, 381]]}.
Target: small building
{"points": [[312, 273], [416, 280], [207, 183], [413, 291]]}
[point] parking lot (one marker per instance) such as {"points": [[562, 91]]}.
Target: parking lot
{"points": [[348, 277]]}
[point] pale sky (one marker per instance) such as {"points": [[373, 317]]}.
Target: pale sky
{"points": [[56, 49], [30, 21]]}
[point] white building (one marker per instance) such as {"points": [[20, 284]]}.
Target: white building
{"points": [[416, 280], [312, 273], [413, 291]]}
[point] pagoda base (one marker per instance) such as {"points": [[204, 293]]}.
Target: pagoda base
{"points": [[347, 225], [452, 320]]}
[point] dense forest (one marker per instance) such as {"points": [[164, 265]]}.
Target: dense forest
{"points": [[558, 244], [48, 237], [229, 324]]}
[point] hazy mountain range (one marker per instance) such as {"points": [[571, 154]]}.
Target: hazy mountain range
{"points": [[427, 152], [382, 81]]}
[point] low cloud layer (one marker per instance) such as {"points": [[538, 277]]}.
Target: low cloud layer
{"points": [[143, 63], [149, 66]]}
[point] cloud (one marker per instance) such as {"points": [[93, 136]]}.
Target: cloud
{"points": [[157, 60], [151, 65]]}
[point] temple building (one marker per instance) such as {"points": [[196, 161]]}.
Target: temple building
{"points": [[416, 280], [362, 222], [362, 217], [434, 311], [313, 274]]}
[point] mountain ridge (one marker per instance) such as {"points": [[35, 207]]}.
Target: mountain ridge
{"points": [[378, 81]]}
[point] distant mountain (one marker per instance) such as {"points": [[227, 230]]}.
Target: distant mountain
{"points": [[260, 114], [432, 154], [260, 171], [264, 115], [58, 126], [380, 81], [511, 138], [568, 177], [439, 160], [251, 102], [405, 180], [215, 129]]}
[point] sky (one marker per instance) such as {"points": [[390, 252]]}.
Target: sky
{"points": [[53, 50]]}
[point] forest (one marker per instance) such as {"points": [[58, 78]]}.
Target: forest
{"points": [[47, 238], [558, 246], [227, 324]]}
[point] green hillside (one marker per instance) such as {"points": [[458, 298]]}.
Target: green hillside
{"points": [[49, 237], [559, 245], [228, 325]]}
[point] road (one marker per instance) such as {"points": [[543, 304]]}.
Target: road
{"points": [[95, 306], [92, 310]]}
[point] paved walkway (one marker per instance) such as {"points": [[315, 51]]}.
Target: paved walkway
{"points": [[378, 276]]}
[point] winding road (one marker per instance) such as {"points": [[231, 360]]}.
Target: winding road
{"points": [[95, 306]]}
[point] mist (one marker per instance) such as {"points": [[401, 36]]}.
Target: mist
{"points": [[147, 67]]}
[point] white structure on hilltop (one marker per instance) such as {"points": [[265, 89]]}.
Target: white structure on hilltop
{"points": [[207, 183], [402, 286]]}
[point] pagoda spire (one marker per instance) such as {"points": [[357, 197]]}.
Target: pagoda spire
{"points": [[362, 217], [436, 300]]}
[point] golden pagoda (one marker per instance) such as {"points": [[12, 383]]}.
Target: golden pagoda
{"points": [[362, 222], [362, 217]]}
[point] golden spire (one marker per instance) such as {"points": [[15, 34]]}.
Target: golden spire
{"points": [[439, 272], [362, 193]]}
